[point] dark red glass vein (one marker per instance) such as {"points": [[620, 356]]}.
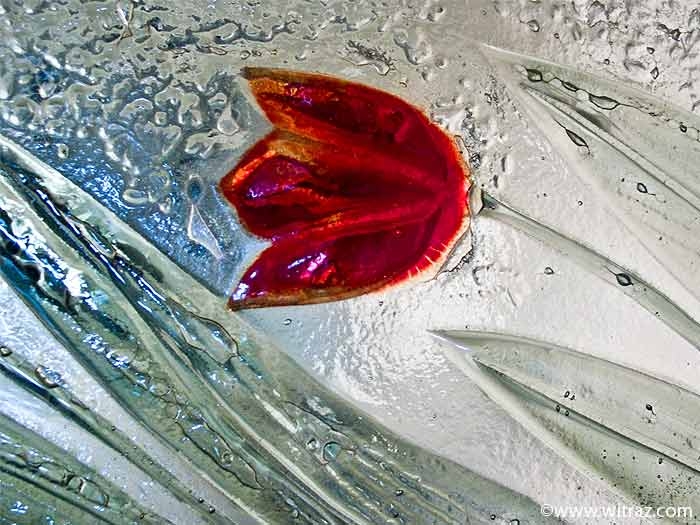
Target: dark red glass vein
{"points": [[355, 189]]}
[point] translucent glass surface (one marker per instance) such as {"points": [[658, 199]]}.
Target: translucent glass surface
{"points": [[551, 361]]}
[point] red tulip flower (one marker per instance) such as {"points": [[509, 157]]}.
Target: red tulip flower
{"points": [[355, 189]]}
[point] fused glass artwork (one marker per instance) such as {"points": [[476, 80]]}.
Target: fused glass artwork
{"points": [[349, 262], [356, 189]]}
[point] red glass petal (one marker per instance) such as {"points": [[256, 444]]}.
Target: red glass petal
{"points": [[287, 183], [355, 188]]}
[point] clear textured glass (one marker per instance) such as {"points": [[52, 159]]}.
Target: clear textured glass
{"points": [[551, 361]]}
